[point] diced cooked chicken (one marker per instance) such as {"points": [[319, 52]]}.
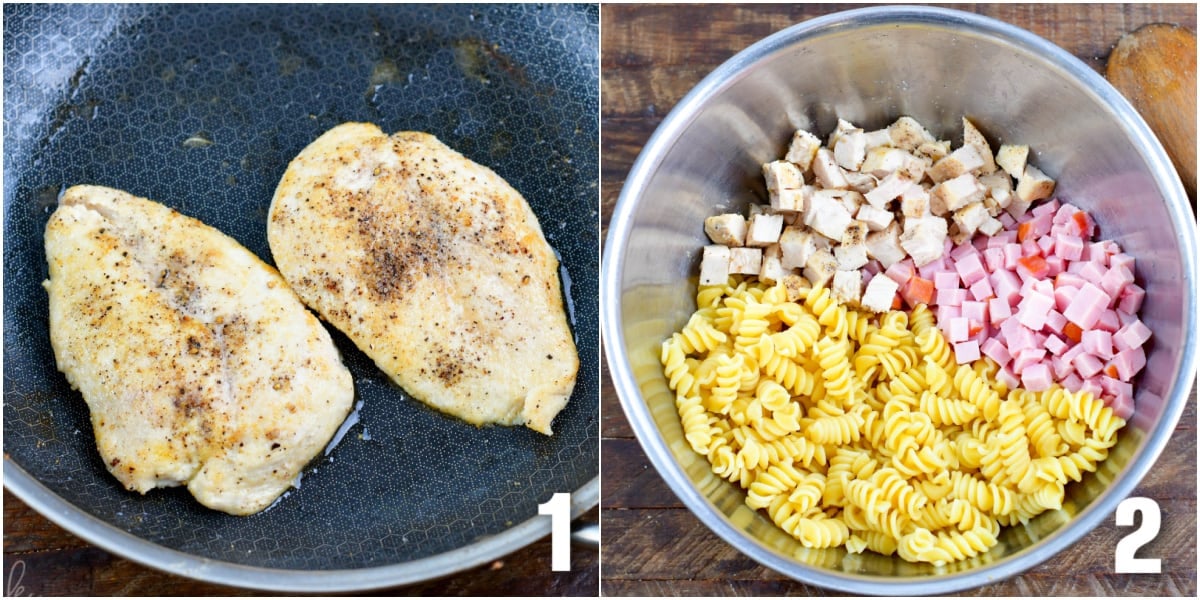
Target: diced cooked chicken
{"points": [[914, 202], [856, 233], [850, 199], [714, 265], [861, 182], [847, 285], [934, 151], [827, 215], [953, 194], [851, 257], [728, 229], [795, 286], [970, 217], [876, 219], [843, 126], [764, 230], [880, 292], [882, 161], [999, 188], [828, 172], [908, 134], [852, 252], [877, 138], [1012, 158], [964, 160], [782, 175], [790, 200], [884, 246], [1034, 185], [850, 149], [745, 261], [796, 246], [889, 189], [924, 238], [820, 267], [803, 148], [990, 226], [772, 265], [973, 137]]}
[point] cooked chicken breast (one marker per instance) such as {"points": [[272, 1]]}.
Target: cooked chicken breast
{"points": [[199, 365], [434, 266]]}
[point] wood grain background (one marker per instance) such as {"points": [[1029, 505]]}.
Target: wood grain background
{"points": [[653, 545]]}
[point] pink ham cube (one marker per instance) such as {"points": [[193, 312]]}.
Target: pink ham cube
{"points": [[996, 351], [966, 352], [1055, 345], [1087, 306], [1129, 362], [1098, 343], [1131, 336], [1068, 247], [1087, 365], [1037, 378], [1033, 310], [999, 310], [1131, 299], [959, 329], [970, 269]]}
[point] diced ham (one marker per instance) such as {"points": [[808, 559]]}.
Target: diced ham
{"points": [[1026, 358], [1037, 378], [1098, 343], [1060, 368], [1055, 321], [1055, 345], [946, 280], [966, 352], [1129, 362], [1115, 279], [975, 311], [1087, 306], [1109, 321], [995, 350], [900, 271], [982, 290], [1087, 365], [999, 309], [970, 268], [1123, 406], [1033, 310], [1072, 382], [1133, 335], [953, 297]]}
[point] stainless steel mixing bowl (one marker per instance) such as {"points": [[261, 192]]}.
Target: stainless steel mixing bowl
{"points": [[870, 66]]}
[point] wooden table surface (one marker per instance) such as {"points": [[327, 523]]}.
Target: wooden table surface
{"points": [[651, 57]]}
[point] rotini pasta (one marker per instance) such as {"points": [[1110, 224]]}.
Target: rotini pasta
{"points": [[862, 430]]}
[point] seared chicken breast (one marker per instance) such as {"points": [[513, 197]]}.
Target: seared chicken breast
{"points": [[434, 266], [199, 365]]}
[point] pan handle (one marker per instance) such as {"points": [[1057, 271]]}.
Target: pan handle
{"points": [[586, 534]]}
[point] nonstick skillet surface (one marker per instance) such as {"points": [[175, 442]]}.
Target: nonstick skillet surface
{"points": [[201, 107]]}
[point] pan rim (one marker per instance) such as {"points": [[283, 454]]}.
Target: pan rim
{"points": [[122, 543]]}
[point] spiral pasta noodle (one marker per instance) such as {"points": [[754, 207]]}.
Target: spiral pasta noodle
{"points": [[852, 429]]}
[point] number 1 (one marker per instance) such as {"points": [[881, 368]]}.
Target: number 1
{"points": [[559, 509]]}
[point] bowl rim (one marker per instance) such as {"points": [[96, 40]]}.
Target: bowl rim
{"points": [[652, 440]]}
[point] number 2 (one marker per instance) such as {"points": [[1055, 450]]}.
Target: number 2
{"points": [[559, 509], [1129, 545]]}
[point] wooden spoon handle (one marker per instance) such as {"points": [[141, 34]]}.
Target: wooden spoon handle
{"points": [[1155, 68]]}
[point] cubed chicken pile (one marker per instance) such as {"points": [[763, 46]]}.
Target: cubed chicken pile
{"points": [[1042, 299], [841, 213]]}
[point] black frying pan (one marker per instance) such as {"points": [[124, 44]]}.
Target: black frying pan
{"points": [[201, 108]]}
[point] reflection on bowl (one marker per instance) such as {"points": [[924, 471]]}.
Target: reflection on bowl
{"points": [[870, 66]]}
